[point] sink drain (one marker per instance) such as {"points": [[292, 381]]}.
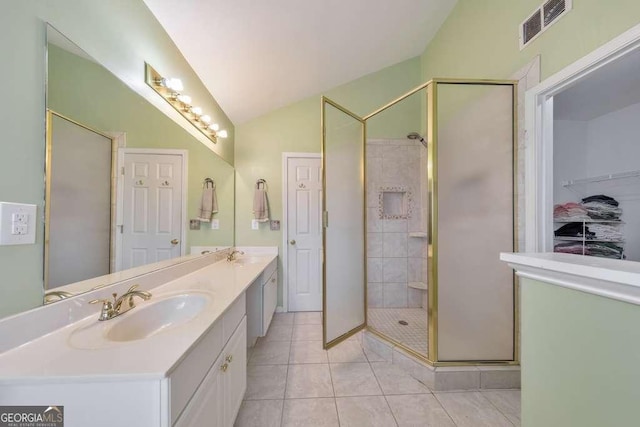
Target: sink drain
{"points": [[403, 322]]}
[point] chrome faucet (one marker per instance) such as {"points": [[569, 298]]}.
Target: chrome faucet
{"points": [[232, 255], [54, 296], [120, 305]]}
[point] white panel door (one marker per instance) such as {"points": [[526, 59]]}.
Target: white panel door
{"points": [[304, 206], [152, 208]]}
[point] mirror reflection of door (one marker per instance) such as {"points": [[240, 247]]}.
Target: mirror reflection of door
{"points": [[152, 212], [78, 203]]}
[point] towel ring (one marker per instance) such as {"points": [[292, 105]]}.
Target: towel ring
{"points": [[208, 181], [261, 182]]}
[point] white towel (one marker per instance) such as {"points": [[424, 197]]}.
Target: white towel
{"points": [[261, 205], [208, 204]]}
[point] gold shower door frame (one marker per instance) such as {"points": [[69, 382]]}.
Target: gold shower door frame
{"points": [[432, 177]]}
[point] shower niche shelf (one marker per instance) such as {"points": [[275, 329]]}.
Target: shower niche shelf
{"points": [[394, 203]]}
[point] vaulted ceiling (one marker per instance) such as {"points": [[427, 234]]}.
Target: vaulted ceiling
{"points": [[257, 56]]}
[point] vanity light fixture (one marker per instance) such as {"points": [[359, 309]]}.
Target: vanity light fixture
{"points": [[185, 99], [170, 89]]}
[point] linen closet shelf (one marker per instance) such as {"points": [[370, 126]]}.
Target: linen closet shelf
{"points": [[584, 240], [620, 186]]}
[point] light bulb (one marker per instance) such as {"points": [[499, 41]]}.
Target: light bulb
{"points": [[185, 99], [197, 111], [222, 134], [205, 119], [174, 84]]}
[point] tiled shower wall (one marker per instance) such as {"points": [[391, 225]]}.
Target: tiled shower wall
{"points": [[394, 258]]}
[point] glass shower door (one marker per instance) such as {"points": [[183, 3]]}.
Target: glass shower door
{"points": [[344, 278]]}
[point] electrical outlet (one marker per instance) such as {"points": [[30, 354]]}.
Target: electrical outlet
{"points": [[17, 224], [255, 225], [19, 229], [215, 224], [21, 218]]}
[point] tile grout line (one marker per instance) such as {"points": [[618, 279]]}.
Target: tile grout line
{"points": [[286, 383], [382, 391], [445, 409], [496, 407], [333, 389]]}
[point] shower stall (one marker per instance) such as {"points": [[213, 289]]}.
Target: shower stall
{"points": [[419, 201]]}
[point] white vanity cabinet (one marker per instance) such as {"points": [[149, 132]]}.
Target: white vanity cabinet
{"points": [[193, 374], [262, 299], [269, 300], [214, 400], [217, 400]]}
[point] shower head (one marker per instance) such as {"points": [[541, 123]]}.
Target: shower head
{"points": [[416, 135]]}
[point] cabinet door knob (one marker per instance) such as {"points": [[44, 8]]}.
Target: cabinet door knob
{"points": [[229, 358], [224, 367]]}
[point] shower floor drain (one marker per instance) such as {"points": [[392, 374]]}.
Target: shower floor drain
{"points": [[403, 322]]}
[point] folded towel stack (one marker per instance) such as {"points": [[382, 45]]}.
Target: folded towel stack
{"points": [[570, 212]]}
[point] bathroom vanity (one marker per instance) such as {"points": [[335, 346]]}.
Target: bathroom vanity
{"points": [[178, 359]]}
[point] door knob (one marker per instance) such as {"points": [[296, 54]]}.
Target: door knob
{"points": [[174, 242], [292, 242]]}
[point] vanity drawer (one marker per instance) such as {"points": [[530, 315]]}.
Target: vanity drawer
{"points": [[269, 301], [233, 316], [269, 270], [187, 376]]}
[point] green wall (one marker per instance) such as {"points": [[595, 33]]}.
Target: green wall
{"points": [[22, 147], [580, 356], [119, 34], [84, 91], [296, 128], [480, 37]]}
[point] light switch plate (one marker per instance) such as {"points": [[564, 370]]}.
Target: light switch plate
{"points": [[215, 224], [17, 223], [255, 225], [194, 224], [275, 224]]}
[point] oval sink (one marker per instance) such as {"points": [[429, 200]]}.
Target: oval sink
{"points": [[240, 262], [146, 321]]}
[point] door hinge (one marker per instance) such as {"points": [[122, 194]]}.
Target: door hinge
{"points": [[325, 219], [122, 170], [122, 229]]}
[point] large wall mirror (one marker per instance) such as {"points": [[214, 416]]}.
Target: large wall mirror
{"points": [[123, 180]]}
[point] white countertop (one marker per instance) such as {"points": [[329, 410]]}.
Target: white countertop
{"points": [[610, 278], [51, 357]]}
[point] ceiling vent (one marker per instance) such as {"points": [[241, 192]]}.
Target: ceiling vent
{"points": [[542, 18]]}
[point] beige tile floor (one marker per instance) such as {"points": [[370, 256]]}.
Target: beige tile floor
{"points": [[292, 381]]}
